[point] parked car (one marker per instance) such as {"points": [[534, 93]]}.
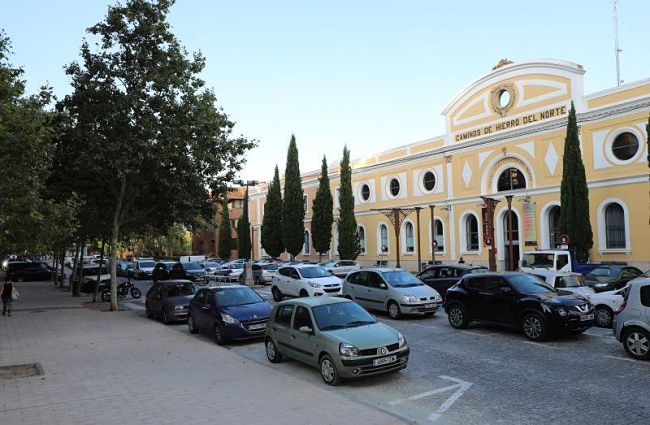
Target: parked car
{"points": [[395, 291], [268, 271], [519, 300], [143, 268], [229, 313], [567, 281], [169, 300], [605, 304], [608, 278], [304, 281], [162, 271], [15, 265], [335, 335], [123, 268], [89, 276], [444, 277], [632, 320], [188, 271], [341, 268], [35, 272], [211, 267], [230, 271]]}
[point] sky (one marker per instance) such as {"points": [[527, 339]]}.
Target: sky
{"points": [[371, 74]]}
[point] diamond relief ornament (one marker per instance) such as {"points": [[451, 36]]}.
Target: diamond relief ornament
{"points": [[551, 158], [467, 174]]}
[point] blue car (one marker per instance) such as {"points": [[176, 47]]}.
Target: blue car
{"points": [[232, 312]]}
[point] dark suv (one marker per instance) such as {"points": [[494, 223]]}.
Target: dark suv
{"points": [[441, 277], [519, 300], [162, 271], [190, 271]]}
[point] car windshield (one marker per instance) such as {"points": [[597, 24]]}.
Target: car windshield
{"points": [[476, 270], [526, 284], [538, 260], [227, 297], [341, 316], [90, 271], [210, 264], [192, 266], [314, 272], [328, 263], [180, 289], [236, 266], [401, 279], [270, 266], [573, 281], [144, 264], [603, 272]]}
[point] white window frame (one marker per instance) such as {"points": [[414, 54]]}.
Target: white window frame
{"points": [[443, 251], [602, 228], [307, 233], [365, 240], [379, 252], [423, 189], [609, 144], [403, 238], [463, 234]]}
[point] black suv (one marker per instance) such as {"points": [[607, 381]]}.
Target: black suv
{"points": [[520, 300], [189, 271], [441, 278], [162, 271]]}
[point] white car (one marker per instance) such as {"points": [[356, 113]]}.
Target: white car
{"points": [[341, 267], [566, 281], [89, 274], [269, 270], [229, 271], [304, 280], [605, 304], [143, 268], [211, 267]]}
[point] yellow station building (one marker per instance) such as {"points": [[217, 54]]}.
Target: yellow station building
{"points": [[504, 136]]}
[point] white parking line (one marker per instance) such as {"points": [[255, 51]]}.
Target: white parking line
{"points": [[628, 360], [537, 344], [474, 333]]}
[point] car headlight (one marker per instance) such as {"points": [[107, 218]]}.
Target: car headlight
{"points": [[600, 284], [312, 284], [348, 350], [411, 299], [561, 311], [401, 340], [228, 319], [179, 307]]}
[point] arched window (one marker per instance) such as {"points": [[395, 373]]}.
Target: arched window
{"points": [[511, 179], [361, 233], [554, 227], [471, 233], [409, 245], [439, 235], [383, 238], [614, 226], [306, 244]]}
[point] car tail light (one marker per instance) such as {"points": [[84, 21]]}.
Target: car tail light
{"points": [[621, 308]]}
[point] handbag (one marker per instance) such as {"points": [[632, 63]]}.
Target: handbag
{"points": [[14, 293]]}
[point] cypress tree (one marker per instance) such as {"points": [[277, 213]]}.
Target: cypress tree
{"points": [[347, 223], [225, 233], [293, 209], [647, 134], [244, 232], [574, 197], [323, 216], [272, 221]]}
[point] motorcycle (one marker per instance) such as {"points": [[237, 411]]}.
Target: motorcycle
{"points": [[123, 290]]}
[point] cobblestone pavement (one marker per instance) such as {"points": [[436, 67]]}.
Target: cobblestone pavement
{"points": [[118, 368]]}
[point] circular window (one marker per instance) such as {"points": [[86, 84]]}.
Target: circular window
{"points": [[365, 192], [625, 146], [504, 98], [394, 187], [429, 181]]}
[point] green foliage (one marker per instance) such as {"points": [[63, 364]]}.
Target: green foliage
{"points": [[225, 231], [293, 207], [574, 198], [26, 141], [323, 216], [272, 221], [244, 232], [348, 245]]}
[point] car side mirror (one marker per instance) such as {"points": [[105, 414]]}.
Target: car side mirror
{"points": [[505, 290], [382, 286], [306, 330]]}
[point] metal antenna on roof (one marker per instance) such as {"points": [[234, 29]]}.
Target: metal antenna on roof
{"points": [[617, 49]]}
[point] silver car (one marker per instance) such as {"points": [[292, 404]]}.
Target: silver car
{"points": [[632, 320], [395, 291]]}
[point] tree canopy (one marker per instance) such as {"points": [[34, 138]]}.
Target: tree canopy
{"points": [[323, 214], [348, 245], [272, 220], [293, 207]]}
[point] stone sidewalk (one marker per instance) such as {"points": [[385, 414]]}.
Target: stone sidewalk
{"points": [[119, 368]]}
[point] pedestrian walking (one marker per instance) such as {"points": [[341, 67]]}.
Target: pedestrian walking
{"points": [[8, 294]]}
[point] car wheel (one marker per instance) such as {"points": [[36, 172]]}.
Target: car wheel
{"points": [[637, 343], [393, 310], [218, 335], [147, 312], [603, 316], [458, 316], [165, 318], [534, 327], [190, 325], [304, 293], [272, 352], [135, 293], [328, 370], [277, 295]]}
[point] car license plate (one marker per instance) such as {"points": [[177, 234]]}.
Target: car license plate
{"points": [[384, 360], [257, 326], [429, 306], [587, 317]]}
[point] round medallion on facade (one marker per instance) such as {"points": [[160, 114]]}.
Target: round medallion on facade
{"points": [[503, 98]]}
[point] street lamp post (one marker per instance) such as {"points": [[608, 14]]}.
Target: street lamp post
{"points": [[434, 245], [417, 219], [249, 265]]}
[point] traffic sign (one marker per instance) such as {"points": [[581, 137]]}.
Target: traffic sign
{"points": [[564, 239]]}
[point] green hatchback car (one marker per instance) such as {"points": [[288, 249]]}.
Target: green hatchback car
{"points": [[336, 335]]}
